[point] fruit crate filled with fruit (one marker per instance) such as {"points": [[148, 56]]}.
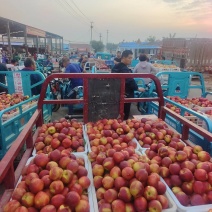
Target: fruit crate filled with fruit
{"points": [[197, 118], [123, 181], [119, 177], [16, 110], [54, 182], [187, 174], [8, 100], [64, 135], [162, 67], [200, 105], [110, 133]]}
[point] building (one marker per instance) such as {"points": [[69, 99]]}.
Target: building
{"points": [[141, 47], [80, 48]]}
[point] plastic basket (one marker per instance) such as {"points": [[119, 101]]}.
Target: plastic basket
{"points": [[181, 208], [90, 176]]}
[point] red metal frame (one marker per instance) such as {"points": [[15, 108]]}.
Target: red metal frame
{"points": [[10, 177], [86, 77]]}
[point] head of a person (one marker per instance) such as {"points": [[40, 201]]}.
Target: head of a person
{"points": [[14, 62], [142, 57], [85, 58], [126, 57], [65, 61], [118, 54], [29, 63]]}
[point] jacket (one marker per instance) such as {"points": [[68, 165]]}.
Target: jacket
{"points": [[130, 84], [34, 78], [145, 68], [74, 68]]}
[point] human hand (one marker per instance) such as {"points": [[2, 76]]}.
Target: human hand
{"points": [[141, 89]]}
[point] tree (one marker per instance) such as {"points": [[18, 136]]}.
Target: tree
{"points": [[98, 46], [151, 39], [111, 47]]}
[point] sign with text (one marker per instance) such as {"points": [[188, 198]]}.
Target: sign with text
{"points": [[18, 82], [34, 31]]}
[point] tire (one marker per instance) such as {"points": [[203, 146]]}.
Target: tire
{"points": [[142, 106], [55, 107]]}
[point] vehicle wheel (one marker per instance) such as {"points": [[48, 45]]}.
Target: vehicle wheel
{"points": [[55, 107]]}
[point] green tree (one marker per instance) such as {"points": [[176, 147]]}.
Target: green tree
{"points": [[98, 46], [111, 47], [151, 39]]}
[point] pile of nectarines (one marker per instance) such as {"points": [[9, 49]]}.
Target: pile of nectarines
{"points": [[52, 183], [156, 132], [66, 136], [112, 133], [188, 172], [124, 182]]}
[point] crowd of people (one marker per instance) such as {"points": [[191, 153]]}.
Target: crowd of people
{"points": [[122, 62]]}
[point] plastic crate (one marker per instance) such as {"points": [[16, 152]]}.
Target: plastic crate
{"points": [[197, 121], [181, 208], [85, 135], [90, 176], [12, 124], [172, 205]]}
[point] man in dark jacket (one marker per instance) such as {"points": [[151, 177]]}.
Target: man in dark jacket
{"points": [[130, 84], [34, 78], [75, 82]]}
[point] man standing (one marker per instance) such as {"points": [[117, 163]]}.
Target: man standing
{"points": [[130, 84], [72, 68], [117, 59], [34, 78]]}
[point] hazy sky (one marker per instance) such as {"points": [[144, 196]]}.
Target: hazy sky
{"points": [[125, 19]]}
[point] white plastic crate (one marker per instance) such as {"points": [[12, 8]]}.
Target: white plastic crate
{"points": [[181, 208], [172, 205], [197, 121], [90, 176]]}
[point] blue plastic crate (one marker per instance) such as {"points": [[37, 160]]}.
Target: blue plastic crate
{"points": [[12, 124]]}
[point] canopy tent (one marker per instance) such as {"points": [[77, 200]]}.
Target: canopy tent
{"points": [[10, 28]]}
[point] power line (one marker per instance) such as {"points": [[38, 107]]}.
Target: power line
{"points": [[80, 10], [68, 11], [75, 12], [85, 16]]}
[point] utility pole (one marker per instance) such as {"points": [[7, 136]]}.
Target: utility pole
{"points": [[107, 39], [107, 36], [100, 36], [91, 30]]}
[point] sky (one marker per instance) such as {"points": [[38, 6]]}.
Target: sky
{"points": [[125, 20]]}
